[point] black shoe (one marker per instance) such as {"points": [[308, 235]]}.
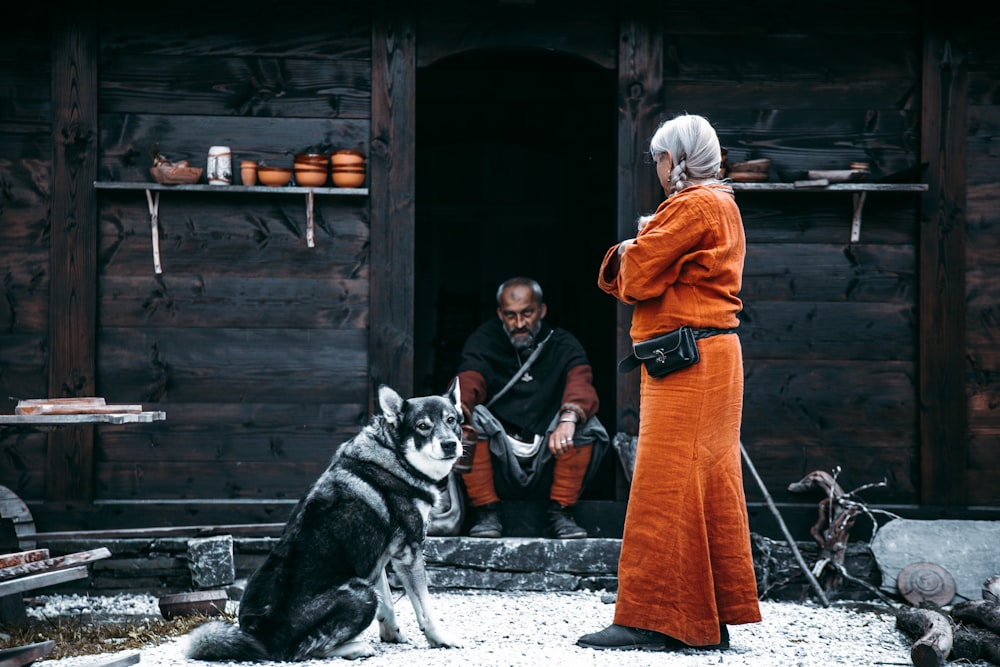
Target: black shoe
{"points": [[561, 523], [487, 522], [723, 640], [624, 638]]}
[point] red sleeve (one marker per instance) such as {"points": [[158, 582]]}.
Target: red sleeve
{"points": [[472, 386], [580, 395]]}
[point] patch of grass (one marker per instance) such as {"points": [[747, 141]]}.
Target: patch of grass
{"points": [[79, 636]]}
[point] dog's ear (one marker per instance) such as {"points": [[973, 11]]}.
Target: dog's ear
{"points": [[454, 394], [390, 403]]}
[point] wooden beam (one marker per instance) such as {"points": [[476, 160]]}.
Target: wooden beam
{"points": [[392, 188], [942, 404], [640, 104], [73, 251]]}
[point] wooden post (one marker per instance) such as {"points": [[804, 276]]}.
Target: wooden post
{"points": [[392, 186], [73, 253], [640, 103], [942, 365]]}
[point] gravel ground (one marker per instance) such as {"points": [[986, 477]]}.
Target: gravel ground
{"points": [[521, 629]]}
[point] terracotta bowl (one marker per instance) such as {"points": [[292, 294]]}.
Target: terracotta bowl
{"points": [[315, 159], [274, 176], [310, 177], [348, 178], [347, 159]]}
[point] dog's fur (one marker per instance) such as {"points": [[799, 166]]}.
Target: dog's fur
{"points": [[323, 582]]}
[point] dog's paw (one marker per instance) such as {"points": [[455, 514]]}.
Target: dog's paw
{"points": [[438, 639], [351, 650], [391, 633]]}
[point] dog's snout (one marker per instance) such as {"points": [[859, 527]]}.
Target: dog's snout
{"points": [[451, 447]]}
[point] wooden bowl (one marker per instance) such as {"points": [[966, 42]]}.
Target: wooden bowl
{"points": [[761, 165], [747, 176], [274, 176], [169, 175], [208, 603]]}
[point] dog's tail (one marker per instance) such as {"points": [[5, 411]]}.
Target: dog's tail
{"points": [[218, 640]]}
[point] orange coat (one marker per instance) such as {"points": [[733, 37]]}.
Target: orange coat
{"points": [[686, 564]]}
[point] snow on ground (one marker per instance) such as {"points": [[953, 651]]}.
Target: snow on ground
{"points": [[515, 629]]}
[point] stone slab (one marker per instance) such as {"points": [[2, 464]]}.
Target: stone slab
{"points": [[968, 550], [211, 561]]}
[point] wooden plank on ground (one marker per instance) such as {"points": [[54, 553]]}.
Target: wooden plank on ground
{"points": [[33, 581], [51, 564], [117, 661], [22, 557], [25, 655]]}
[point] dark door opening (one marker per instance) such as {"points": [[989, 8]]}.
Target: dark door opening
{"points": [[515, 175]]}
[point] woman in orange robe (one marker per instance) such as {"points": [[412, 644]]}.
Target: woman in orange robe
{"points": [[686, 569]]}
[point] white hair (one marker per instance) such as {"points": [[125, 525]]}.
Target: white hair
{"points": [[694, 147]]}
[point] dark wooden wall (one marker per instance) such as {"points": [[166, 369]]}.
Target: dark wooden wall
{"points": [[829, 327], [262, 351], [977, 215]]}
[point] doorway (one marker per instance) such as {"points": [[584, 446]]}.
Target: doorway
{"points": [[515, 175]]}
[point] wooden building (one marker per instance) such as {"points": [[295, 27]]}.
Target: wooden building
{"points": [[502, 137]]}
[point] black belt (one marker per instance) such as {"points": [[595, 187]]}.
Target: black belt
{"points": [[708, 333]]}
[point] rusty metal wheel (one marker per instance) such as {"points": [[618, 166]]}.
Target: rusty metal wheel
{"points": [[918, 582]]}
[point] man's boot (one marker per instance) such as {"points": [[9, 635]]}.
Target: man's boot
{"points": [[487, 522], [562, 526]]}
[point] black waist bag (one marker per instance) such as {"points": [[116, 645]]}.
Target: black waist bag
{"points": [[664, 354]]}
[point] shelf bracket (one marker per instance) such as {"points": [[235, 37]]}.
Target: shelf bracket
{"points": [[310, 232], [154, 223], [859, 203]]}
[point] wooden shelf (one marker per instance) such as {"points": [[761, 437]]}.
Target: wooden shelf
{"points": [[153, 191], [227, 189], [857, 190]]}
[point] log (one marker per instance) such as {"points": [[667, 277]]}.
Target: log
{"points": [[991, 589], [972, 644], [982, 612], [935, 635]]}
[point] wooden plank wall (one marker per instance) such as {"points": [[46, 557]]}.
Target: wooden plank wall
{"points": [[257, 346], [982, 274], [254, 344], [25, 228], [829, 327]]}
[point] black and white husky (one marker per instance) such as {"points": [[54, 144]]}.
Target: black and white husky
{"points": [[325, 580]]}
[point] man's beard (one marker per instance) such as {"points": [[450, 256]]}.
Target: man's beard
{"points": [[524, 339]]}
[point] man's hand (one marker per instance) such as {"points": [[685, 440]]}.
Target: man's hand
{"points": [[561, 440]]}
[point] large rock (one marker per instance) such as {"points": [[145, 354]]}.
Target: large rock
{"points": [[211, 561], [968, 550]]}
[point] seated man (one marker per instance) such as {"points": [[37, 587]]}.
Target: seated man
{"points": [[530, 432]]}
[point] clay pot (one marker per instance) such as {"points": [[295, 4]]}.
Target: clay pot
{"points": [[248, 172]]}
